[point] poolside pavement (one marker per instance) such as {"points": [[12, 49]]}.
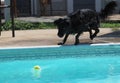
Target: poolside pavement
{"points": [[46, 37]]}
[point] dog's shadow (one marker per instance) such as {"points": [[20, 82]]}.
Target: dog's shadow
{"points": [[112, 34]]}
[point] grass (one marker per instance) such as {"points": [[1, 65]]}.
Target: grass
{"points": [[21, 25], [110, 25]]}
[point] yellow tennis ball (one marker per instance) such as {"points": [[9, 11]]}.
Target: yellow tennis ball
{"points": [[37, 67]]}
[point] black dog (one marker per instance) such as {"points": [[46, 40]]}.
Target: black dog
{"points": [[83, 20], [77, 23]]}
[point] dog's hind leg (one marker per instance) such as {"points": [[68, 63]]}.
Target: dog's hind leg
{"points": [[96, 32]]}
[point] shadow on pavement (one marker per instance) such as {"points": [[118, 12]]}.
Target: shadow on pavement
{"points": [[112, 34]]}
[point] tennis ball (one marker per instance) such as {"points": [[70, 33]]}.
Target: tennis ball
{"points": [[37, 67]]}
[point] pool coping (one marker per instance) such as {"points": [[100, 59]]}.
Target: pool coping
{"points": [[49, 46]]}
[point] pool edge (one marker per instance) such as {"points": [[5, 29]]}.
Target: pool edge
{"points": [[46, 46]]}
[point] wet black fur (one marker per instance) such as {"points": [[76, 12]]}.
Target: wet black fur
{"points": [[81, 21], [77, 23]]}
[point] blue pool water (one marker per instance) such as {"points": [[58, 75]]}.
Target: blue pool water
{"points": [[65, 64]]}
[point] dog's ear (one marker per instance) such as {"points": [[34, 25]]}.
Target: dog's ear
{"points": [[56, 22]]}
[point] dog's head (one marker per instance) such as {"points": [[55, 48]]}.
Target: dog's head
{"points": [[62, 25]]}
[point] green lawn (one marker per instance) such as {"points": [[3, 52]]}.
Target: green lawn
{"points": [[110, 25], [21, 25]]}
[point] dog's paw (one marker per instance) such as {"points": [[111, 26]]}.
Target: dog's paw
{"points": [[91, 37], [60, 43]]}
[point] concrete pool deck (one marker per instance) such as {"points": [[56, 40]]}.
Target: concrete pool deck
{"points": [[49, 37]]}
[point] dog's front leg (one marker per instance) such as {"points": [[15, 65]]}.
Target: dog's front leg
{"points": [[77, 38], [90, 32], [64, 40]]}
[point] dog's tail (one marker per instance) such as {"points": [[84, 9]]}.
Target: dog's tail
{"points": [[108, 10]]}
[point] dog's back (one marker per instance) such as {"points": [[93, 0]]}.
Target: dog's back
{"points": [[84, 17]]}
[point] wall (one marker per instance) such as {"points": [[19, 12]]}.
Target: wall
{"points": [[59, 7], [118, 8], [82, 4], [23, 7], [69, 6]]}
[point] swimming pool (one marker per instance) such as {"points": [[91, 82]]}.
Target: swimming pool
{"points": [[64, 64]]}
